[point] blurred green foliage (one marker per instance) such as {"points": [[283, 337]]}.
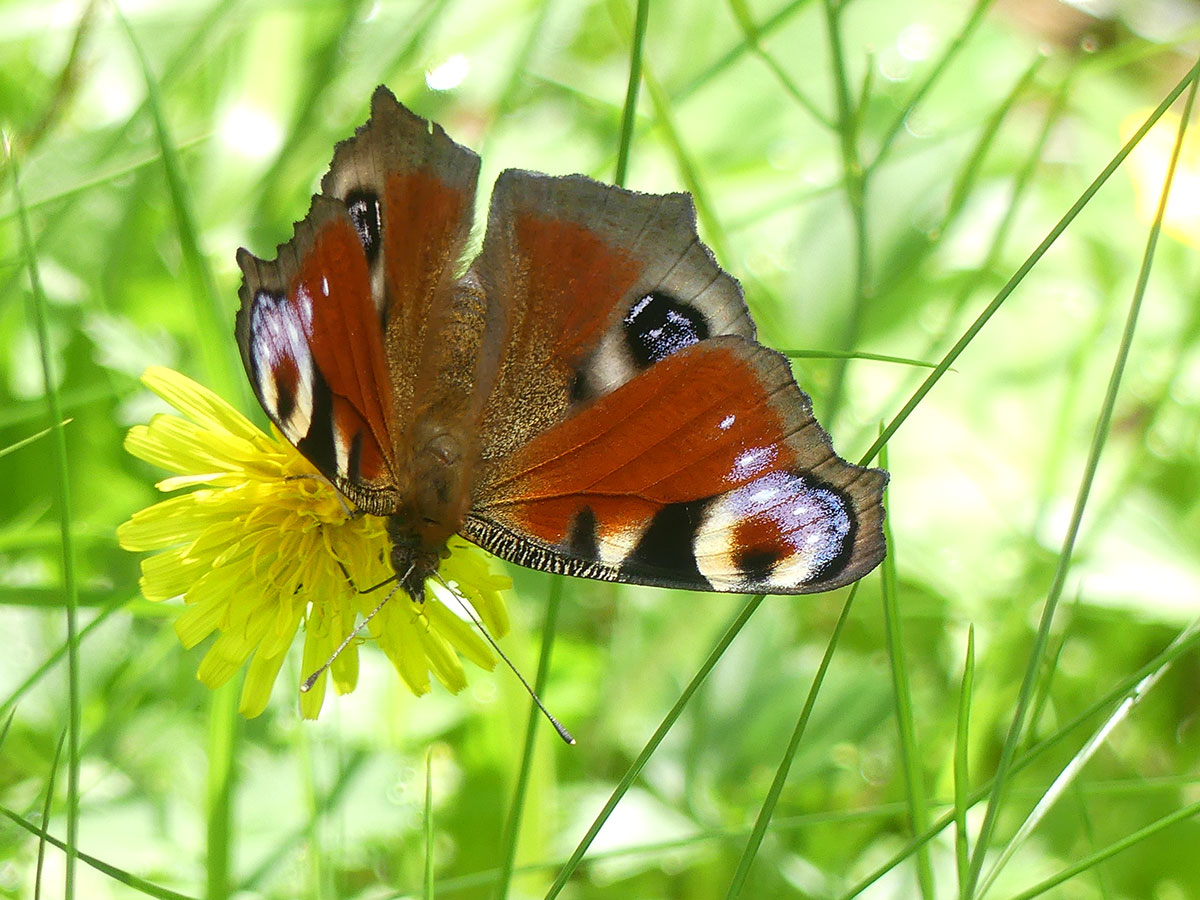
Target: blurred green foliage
{"points": [[874, 172]]}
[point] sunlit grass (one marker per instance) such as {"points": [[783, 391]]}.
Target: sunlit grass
{"points": [[932, 208]]}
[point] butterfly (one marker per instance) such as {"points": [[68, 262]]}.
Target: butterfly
{"points": [[587, 397]]}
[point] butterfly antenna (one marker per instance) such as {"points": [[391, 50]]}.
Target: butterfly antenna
{"points": [[466, 607], [312, 679]]}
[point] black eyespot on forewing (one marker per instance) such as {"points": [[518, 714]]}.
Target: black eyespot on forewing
{"points": [[658, 325], [363, 207]]}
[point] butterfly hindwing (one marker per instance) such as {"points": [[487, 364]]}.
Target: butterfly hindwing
{"points": [[707, 471]]}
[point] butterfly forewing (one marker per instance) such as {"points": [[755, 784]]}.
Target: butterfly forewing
{"points": [[335, 330]]}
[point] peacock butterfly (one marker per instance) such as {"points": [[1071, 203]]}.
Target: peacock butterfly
{"points": [[587, 398]]}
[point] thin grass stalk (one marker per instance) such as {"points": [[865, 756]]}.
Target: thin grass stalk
{"points": [[1026, 759], [1099, 439], [732, 631], [1069, 775], [773, 22], [629, 112], [25, 686], [1110, 851], [315, 851], [969, 335], [939, 69], [62, 483], [969, 173], [765, 813], [512, 828], [962, 748], [428, 824], [713, 231], [46, 808], [999, 235], [854, 181], [222, 740], [347, 771], [910, 754], [534, 40], [857, 354], [1071, 771], [219, 357], [135, 883], [751, 34]]}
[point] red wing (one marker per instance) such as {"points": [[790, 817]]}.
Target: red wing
{"points": [[706, 471], [590, 284], [410, 191], [333, 331], [311, 343]]}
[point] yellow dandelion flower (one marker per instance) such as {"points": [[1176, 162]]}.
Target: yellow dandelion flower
{"points": [[264, 546]]}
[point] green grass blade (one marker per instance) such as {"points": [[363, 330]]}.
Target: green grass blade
{"points": [[771, 800], [968, 175], [320, 71], [714, 232], [1025, 267], [1114, 696], [348, 771], [141, 885], [52, 660], [1110, 851], [62, 484], [858, 354], [629, 112], [315, 849], [222, 741], [962, 747], [776, 20], [37, 436], [41, 851], [751, 34], [735, 626], [219, 357], [935, 75], [1071, 771], [512, 828], [1099, 439], [910, 753], [854, 183], [518, 72], [429, 824]]}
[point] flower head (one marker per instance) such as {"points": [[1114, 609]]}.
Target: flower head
{"points": [[265, 545]]}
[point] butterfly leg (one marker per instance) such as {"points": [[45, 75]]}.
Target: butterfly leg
{"points": [[356, 588]]}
